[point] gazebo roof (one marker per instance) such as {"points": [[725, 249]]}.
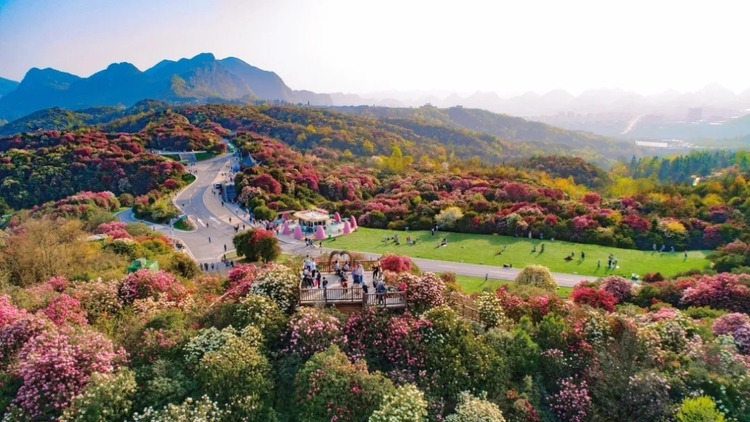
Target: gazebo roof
{"points": [[312, 215]]}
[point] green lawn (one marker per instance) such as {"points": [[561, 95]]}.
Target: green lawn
{"points": [[482, 249], [477, 284]]}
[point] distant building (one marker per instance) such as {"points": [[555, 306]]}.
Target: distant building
{"points": [[695, 114]]}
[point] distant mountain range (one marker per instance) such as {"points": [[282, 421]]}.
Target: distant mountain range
{"points": [[714, 99], [199, 79]]}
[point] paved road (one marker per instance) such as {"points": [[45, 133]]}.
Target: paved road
{"points": [[213, 221]]}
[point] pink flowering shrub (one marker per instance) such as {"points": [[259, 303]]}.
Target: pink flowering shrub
{"points": [[736, 325], [65, 310], [311, 331], [573, 402], [424, 292], [143, 283], [56, 365], [619, 287], [8, 312], [720, 291], [97, 297], [396, 263], [241, 278], [58, 283], [13, 336], [114, 229]]}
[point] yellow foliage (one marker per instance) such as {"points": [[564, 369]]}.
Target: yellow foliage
{"points": [[712, 199]]}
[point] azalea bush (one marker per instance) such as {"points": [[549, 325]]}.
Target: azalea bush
{"points": [[56, 365], [311, 331], [406, 404], [572, 402], [143, 284], [491, 311], [619, 287], [65, 310], [594, 298], [107, 397], [395, 263], [330, 387], [720, 291], [423, 292], [471, 409], [203, 410], [280, 284]]}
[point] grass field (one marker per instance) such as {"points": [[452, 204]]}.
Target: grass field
{"points": [[477, 284], [483, 249]]}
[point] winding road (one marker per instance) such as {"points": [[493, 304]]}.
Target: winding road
{"points": [[215, 229]]}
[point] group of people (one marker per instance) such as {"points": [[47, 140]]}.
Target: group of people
{"points": [[205, 266], [313, 278]]}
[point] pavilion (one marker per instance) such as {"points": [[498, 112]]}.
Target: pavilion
{"points": [[310, 220]]}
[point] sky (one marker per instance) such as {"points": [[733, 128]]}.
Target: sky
{"points": [[363, 46]]}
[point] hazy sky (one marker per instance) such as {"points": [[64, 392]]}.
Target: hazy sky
{"points": [[373, 45]]}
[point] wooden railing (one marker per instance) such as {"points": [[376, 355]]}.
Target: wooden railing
{"points": [[340, 295], [464, 306]]}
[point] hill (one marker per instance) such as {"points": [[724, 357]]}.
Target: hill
{"points": [[6, 85], [202, 78], [501, 126], [362, 131]]}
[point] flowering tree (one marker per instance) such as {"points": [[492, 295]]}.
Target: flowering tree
{"points": [[619, 287], [330, 387], [472, 409], [114, 229], [449, 217], [65, 310], [572, 403], [594, 298], [396, 263], [143, 283], [203, 410], [491, 311], [257, 245], [536, 276], [56, 365], [280, 284], [423, 292], [107, 397], [311, 331], [406, 404]]}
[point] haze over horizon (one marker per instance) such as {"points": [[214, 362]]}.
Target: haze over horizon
{"points": [[337, 46]]}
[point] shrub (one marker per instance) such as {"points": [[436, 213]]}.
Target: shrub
{"points": [[65, 310], [396, 263], [491, 311], [652, 277], [55, 367], [406, 404], [594, 298], [720, 291], [107, 397], [311, 331], [620, 287], [536, 276], [698, 409], [143, 284], [424, 292], [330, 387], [473, 409], [203, 410], [280, 284], [448, 217], [572, 403], [257, 245]]}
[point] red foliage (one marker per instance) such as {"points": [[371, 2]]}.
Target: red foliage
{"points": [[396, 263], [595, 298], [720, 291]]}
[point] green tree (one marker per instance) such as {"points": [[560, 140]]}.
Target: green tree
{"points": [[257, 245], [537, 276]]}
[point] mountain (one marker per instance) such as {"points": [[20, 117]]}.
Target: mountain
{"points": [[6, 85], [202, 78]]}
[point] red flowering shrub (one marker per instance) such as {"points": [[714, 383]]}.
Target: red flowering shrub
{"points": [[267, 183], [13, 336], [620, 287], [56, 365], [720, 291], [396, 263], [591, 198], [594, 298], [115, 229], [143, 283], [65, 310], [171, 184], [58, 283]]}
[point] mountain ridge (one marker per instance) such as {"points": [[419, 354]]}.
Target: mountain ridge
{"points": [[198, 79]]}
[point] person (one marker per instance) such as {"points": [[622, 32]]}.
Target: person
{"points": [[486, 276], [225, 247], [598, 263], [317, 279], [346, 267], [583, 255], [209, 240], [380, 291], [325, 288], [337, 268], [542, 247], [375, 271]]}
